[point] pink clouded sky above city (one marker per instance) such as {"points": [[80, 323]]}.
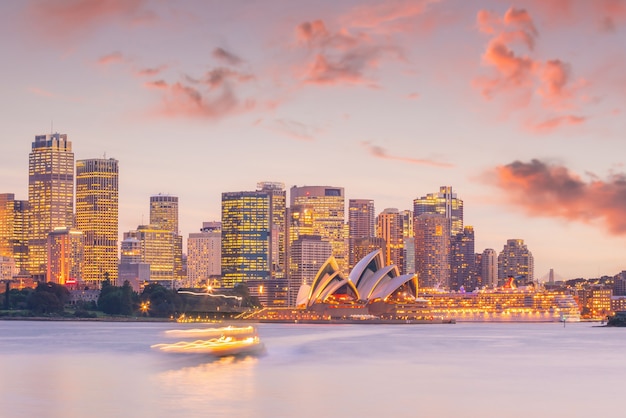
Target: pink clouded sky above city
{"points": [[518, 105]]}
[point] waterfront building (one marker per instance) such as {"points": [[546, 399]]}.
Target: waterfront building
{"points": [[408, 234], [515, 260], [389, 227], [14, 230], [308, 253], [361, 224], [204, 253], [65, 256], [432, 250], [50, 195], [489, 268], [97, 217], [131, 268], [619, 284], [444, 203], [252, 221], [463, 261], [327, 206], [164, 216]]}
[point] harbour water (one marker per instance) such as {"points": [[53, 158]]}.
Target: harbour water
{"points": [[98, 369]]}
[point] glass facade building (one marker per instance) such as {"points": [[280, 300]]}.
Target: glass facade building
{"points": [[444, 203], [50, 195], [361, 224], [97, 216]]}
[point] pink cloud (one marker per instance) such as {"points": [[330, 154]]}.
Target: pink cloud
{"points": [[388, 12], [295, 130], [413, 96], [112, 58], [549, 190], [61, 19], [551, 124], [212, 96], [40, 92], [150, 72], [380, 152]]}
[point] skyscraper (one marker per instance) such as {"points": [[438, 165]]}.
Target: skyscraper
{"points": [[361, 224], [97, 216], [408, 236], [251, 222], [14, 230], [157, 248], [444, 203], [50, 195], [65, 256], [204, 253], [463, 260], [515, 260], [389, 227], [327, 206], [489, 268], [164, 216], [432, 250]]}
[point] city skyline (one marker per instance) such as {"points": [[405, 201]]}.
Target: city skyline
{"points": [[365, 96]]}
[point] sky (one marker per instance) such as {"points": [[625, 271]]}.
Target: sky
{"points": [[518, 105]]}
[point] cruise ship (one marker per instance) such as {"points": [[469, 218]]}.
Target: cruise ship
{"points": [[505, 304]]}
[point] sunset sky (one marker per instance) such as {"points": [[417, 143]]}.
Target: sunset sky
{"points": [[518, 105]]}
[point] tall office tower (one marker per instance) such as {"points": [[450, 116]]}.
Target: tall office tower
{"points": [[308, 253], [278, 227], [158, 248], [97, 209], [249, 222], [164, 212], [463, 261], [408, 234], [432, 250], [327, 205], [489, 268], [131, 268], [361, 224], [8, 270], [14, 230], [389, 227], [50, 195], [445, 203], [65, 256], [164, 215], [204, 253], [515, 260]]}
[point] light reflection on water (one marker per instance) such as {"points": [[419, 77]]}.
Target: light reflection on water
{"points": [[92, 369]]}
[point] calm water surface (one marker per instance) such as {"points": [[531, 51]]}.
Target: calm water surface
{"points": [[94, 369]]}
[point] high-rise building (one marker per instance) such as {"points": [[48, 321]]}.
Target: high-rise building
{"points": [[50, 195], [97, 216], [157, 248], [14, 230], [408, 234], [389, 227], [204, 253], [164, 216], [327, 206], [432, 250], [463, 261], [65, 256], [308, 254], [252, 221], [444, 203], [489, 268], [361, 224], [515, 260]]}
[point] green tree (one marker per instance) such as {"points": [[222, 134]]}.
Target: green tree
{"points": [[48, 298], [163, 301]]}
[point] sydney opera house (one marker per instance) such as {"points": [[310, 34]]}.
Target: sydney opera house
{"points": [[371, 292]]}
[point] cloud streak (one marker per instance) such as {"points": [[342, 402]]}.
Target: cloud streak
{"points": [[65, 19], [550, 190], [380, 152]]}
